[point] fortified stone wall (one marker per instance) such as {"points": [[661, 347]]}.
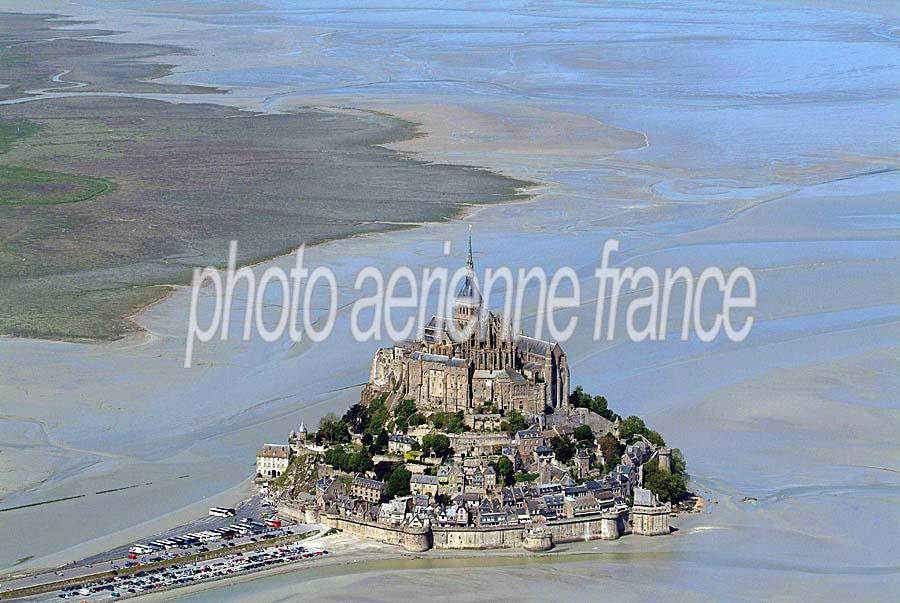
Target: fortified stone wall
{"points": [[651, 521], [412, 539], [608, 526], [511, 537], [604, 527], [299, 513]]}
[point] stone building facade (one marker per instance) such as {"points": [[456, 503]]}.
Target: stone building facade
{"points": [[648, 516], [369, 490], [473, 363], [272, 460]]}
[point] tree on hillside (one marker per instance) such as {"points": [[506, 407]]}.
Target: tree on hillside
{"points": [[398, 482], [379, 414], [357, 418], [562, 448], [600, 406], [354, 461], [383, 469], [679, 466], [416, 419], [611, 449], [451, 422], [380, 443], [331, 430], [584, 435], [506, 471], [402, 412], [515, 422], [668, 486], [436, 444], [578, 398], [634, 426], [597, 404], [360, 462], [336, 456]]}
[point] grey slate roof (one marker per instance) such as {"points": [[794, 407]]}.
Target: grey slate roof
{"points": [[368, 483], [278, 451], [534, 346], [437, 359], [421, 478]]}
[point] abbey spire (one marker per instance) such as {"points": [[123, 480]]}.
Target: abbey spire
{"points": [[468, 297], [470, 261]]}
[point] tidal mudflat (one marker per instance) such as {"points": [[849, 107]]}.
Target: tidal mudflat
{"points": [[696, 133], [106, 201]]}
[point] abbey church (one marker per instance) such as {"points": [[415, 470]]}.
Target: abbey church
{"points": [[472, 363]]}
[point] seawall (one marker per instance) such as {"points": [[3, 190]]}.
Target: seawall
{"points": [[416, 540], [608, 526]]}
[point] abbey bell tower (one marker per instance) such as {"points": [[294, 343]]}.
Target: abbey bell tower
{"points": [[468, 298]]}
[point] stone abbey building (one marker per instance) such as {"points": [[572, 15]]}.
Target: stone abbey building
{"points": [[472, 363]]}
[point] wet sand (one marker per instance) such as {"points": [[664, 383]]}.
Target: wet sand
{"points": [[710, 157]]}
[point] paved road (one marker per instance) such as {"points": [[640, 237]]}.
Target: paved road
{"points": [[116, 558]]}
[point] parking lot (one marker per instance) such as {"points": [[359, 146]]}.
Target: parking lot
{"points": [[192, 572], [209, 536], [255, 508]]}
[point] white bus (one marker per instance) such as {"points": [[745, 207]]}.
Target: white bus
{"points": [[221, 512], [141, 549], [208, 536]]}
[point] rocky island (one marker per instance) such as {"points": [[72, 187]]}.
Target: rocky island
{"points": [[475, 441]]}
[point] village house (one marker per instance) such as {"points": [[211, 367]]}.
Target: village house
{"points": [[583, 505], [543, 454], [478, 477], [527, 440], [582, 463], [370, 490], [272, 460], [446, 479], [328, 489], [454, 515], [394, 512], [425, 485], [401, 444]]}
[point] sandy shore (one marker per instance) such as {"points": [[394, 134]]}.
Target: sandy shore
{"points": [[343, 550], [349, 555]]}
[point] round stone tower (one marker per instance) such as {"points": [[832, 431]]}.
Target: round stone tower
{"points": [[665, 458], [609, 526], [538, 540], [302, 434]]}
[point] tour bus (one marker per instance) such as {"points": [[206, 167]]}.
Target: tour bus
{"points": [[273, 523], [207, 536], [182, 541], [199, 537], [221, 512], [141, 549]]}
